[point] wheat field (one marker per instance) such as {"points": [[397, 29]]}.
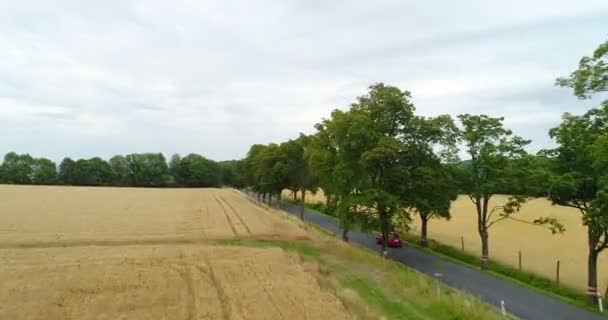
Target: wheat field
{"points": [[120, 253], [539, 248]]}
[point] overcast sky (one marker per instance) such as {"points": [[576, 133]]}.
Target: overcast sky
{"points": [[98, 78]]}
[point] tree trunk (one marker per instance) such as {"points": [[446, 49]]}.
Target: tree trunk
{"points": [[424, 219], [270, 200], [592, 267], [302, 202], [258, 196], [264, 197], [345, 234], [485, 250], [295, 195], [383, 228]]}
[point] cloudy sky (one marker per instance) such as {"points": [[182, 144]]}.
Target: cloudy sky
{"points": [[98, 78]]}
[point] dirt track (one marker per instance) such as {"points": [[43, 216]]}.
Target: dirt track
{"points": [[146, 254]]}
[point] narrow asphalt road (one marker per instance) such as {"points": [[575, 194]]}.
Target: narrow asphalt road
{"points": [[519, 301]]}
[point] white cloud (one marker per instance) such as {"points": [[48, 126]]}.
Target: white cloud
{"points": [[84, 79]]}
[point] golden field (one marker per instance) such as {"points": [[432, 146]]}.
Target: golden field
{"points": [[540, 249], [121, 253]]}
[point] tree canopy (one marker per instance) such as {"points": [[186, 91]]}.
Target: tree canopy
{"points": [[133, 170]]}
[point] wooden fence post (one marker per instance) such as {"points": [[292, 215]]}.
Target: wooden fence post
{"points": [[519, 260], [557, 273], [462, 242]]}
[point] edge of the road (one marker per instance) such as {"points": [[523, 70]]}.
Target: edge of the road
{"points": [[582, 313]]}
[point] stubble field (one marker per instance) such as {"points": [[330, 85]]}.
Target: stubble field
{"points": [[111, 253]]}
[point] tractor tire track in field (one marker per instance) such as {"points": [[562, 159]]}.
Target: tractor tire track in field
{"points": [[226, 215], [261, 279], [221, 294], [101, 243], [186, 275], [238, 216]]}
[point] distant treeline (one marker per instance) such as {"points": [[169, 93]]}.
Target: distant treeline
{"points": [[133, 170]]}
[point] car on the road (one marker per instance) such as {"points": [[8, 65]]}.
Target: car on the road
{"points": [[393, 240]]}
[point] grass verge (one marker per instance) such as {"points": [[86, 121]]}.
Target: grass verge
{"points": [[373, 288]]}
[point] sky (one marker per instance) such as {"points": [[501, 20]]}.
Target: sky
{"points": [[99, 78]]}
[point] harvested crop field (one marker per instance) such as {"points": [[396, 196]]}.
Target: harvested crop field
{"points": [[112, 253], [58, 216], [160, 282]]}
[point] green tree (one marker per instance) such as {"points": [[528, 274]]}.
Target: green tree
{"points": [[197, 171], [66, 171], [229, 174], [435, 190], [431, 151], [580, 158], [367, 147], [44, 172], [92, 172], [580, 178], [270, 171], [591, 76], [24, 169], [174, 164], [147, 169], [120, 171], [295, 168], [334, 162], [17, 169], [249, 168], [498, 164]]}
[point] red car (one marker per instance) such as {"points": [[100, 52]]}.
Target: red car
{"points": [[393, 240]]}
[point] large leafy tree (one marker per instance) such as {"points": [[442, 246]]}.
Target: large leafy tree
{"points": [[367, 148], [195, 170], [120, 170], [25, 169], [270, 171], [431, 151], [581, 176], [66, 171], [386, 117], [580, 160], [435, 190], [498, 164], [296, 171], [333, 156], [17, 169], [92, 172], [591, 76], [147, 169], [44, 171], [249, 168]]}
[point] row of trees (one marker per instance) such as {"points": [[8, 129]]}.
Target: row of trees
{"points": [[379, 163], [136, 170]]}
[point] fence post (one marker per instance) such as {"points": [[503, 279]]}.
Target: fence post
{"points": [[462, 242], [557, 273], [519, 260]]}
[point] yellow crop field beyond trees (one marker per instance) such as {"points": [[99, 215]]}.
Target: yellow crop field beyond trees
{"points": [[540, 249], [126, 253]]}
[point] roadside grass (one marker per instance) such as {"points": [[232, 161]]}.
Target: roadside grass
{"points": [[371, 287], [522, 278]]}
